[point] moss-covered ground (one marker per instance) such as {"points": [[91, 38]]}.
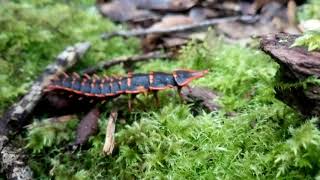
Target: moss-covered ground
{"points": [[263, 139]]}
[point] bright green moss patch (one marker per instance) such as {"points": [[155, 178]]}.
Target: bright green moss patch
{"points": [[310, 10], [45, 134], [263, 139], [310, 39], [31, 37]]}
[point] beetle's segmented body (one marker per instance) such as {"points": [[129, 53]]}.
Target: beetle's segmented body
{"points": [[103, 87]]}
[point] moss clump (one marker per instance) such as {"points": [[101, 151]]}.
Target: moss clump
{"points": [[169, 142], [310, 39], [310, 10], [32, 36], [44, 134]]}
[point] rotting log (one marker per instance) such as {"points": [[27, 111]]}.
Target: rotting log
{"points": [[296, 65], [12, 158]]}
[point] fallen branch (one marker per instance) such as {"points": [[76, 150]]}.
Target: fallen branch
{"points": [[127, 61], [180, 28], [109, 140], [11, 157]]}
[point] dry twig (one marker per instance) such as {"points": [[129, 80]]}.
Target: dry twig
{"points": [[180, 28], [109, 140]]}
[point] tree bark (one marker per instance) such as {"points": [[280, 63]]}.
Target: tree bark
{"points": [[296, 65]]}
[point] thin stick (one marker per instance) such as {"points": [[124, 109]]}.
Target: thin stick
{"points": [[11, 156], [180, 28], [109, 140], [62, 119], [127, 60]]}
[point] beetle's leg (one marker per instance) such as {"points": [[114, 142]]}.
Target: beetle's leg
{"points": [[180, 94], [189, 88], [130, 101], [156, 97]]}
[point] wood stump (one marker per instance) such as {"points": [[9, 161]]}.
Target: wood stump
{"points": [[296, 65]]}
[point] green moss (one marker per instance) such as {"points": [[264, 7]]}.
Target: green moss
{"points": [[263, 139], [170, 142], [310, 10], [45, 134], [31, 37], [310, 39]]}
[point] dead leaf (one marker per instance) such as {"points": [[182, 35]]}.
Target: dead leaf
{"points": [[124, 10], [171, 21], [200, 14], [258, 4], [153, 40], [87, 126], [171, 42], [244, 31]]}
